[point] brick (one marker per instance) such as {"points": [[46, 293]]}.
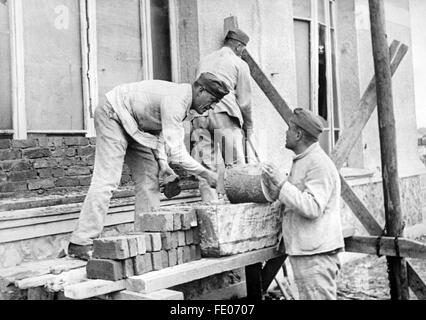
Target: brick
{"points": [[13, 187], [45, 173], [58, 153], [180, 255], [155, 240], [148, 261], [172, 255], [141, 243], [78, 171], [198, 252], [16, 165], [36, 153], [22, 175], [58, 172], [169, 240], [92, 141], [148, 242], [186, 254], [5, 143], [70, 152], [88, 161], [66, 162], [181, 238], [76, 141], [157, 263], [133, 246], [139, 265], [44, 163], [85, 181], [154, 222], [188, 220], [189, 237], [85, 151], [193, 252], [105, 269], [9, 155], [165, 259], [3, 177], [67, 182], [24, 144], [128, 268], [196, 234], [116, 248], [41, 184], [177, 224]]}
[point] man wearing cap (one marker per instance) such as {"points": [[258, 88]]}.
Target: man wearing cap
{"points": [[134, 126], [230, 116], [312, 230]]}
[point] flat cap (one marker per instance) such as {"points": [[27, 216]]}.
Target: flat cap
{"points": [[239, 35], [308, 121], [213, 85]]}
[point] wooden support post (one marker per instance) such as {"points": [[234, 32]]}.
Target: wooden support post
{"points": [[270, 269], [254, 282], [387, 132]]}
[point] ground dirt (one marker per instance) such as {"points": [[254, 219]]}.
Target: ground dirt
{"points": [[365, 279]]}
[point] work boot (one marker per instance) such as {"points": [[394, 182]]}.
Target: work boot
{"points": [[83, 252]]}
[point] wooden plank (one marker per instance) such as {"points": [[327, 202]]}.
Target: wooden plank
{"points": [[254, 281], [367, 244], [365, 108], [397, 267], [270, 270], [163, 294], [38, 268], [195, 270], [416, 283], [53, 282], [93, 288]]}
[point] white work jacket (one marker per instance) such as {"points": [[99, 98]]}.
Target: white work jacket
{"points": [[312, 222], [157, 109]]}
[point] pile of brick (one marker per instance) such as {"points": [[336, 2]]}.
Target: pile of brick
{"points": [[163, 239]]}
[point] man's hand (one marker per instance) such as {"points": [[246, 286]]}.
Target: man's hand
{"points": [[165, 170], [272, 180], [211, 178]]}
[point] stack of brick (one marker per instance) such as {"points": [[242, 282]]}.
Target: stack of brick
{"points": [[163, 239]]}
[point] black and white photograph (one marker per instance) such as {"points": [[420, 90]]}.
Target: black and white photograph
{"points": [[217, 156]]}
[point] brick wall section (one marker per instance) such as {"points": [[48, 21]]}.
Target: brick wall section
{"points": [[47, 165], [53, 165]]}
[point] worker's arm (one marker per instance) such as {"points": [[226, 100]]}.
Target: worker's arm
{"points": [[311, 202], [174, 134], [244, 95]]}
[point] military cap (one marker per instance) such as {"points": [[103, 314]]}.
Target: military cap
{"points": [[239, 35], [308, 121], [213, 85]]}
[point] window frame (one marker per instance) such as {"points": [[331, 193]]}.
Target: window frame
{"points": [[331, 74]]}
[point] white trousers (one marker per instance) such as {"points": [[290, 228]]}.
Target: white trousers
{"points": [[113, 148]]}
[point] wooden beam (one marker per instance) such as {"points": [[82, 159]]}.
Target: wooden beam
{"points": [[367, 244], [93, 288], [387, 132], [195, 270], [365, 109], [416, 283], [163, 294], [270, 270], [254, 281]]}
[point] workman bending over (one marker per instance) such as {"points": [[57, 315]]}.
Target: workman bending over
{"points": [[312, 230], [133, 126]]}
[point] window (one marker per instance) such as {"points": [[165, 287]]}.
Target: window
{"points": [[58, 58], [316, 64]]}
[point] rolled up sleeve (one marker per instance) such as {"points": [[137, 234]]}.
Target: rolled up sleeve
{"points": [[174, 134]]}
